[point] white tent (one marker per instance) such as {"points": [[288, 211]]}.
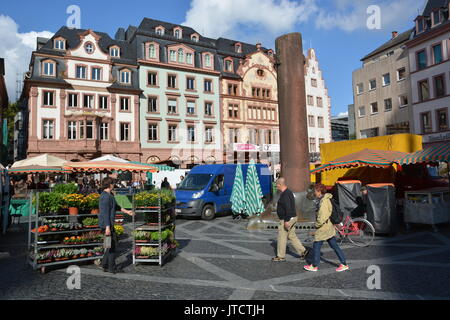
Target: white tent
{"points": [[110, 157], [44, 160]]}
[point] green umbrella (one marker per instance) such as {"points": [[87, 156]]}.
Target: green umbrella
{"points": [[238, 192], [253, 193]]}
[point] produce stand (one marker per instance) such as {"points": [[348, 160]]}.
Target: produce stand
{"points": [[61, 239], [430, 206], [153, 233]]}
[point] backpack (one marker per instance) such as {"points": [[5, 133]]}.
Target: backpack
{"points": [[336, 214]]}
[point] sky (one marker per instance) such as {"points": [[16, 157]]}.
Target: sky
{"points": [[341, 31]]}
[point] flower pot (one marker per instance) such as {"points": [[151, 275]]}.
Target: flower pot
{"points": [[73, 211], [142, 257], [95, 211], [82, 256], [142, 241], [89, 255]]}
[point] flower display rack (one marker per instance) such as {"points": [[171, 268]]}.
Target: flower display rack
{"points": [[153, 234], [55, 240]]}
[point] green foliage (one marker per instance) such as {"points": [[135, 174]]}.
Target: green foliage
{"points": [[50, 202], [66, 188], [90, 222]]}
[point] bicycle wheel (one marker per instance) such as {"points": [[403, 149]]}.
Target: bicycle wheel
{"points": [[360, 232]]}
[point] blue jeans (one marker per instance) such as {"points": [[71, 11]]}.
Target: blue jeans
{"points": [[333, 244]]}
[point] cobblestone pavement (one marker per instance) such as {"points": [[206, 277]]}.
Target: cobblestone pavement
{"points": [[221, 260]]}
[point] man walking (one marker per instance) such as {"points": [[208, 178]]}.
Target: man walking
{"points": [[288, 218]]}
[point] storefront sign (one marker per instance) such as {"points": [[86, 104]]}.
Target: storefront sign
{"points": [[436, 137], [271, 148], [246, 147]]}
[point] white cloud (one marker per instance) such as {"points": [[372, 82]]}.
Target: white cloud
{"points": [[265, 18], [350, 15], [16, 49], [343, 114]]}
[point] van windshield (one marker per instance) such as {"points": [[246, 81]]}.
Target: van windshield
{"points": [[195, 182]]}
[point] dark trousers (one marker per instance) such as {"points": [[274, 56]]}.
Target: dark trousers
{"points": [[109, 257], [333, 244]]}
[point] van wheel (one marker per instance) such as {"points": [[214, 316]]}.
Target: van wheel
{"points": [[208, 212]]}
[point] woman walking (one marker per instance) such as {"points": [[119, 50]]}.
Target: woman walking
{"points": [[325, 230]]}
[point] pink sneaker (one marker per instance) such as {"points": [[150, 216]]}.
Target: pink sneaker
{"points": [[310, 267], [342, 267]]}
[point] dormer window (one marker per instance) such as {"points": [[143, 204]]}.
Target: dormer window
{"points": [[238, 48], [114, 52], [270, 53], [125, 76], [194, 38], [178, 33], [159, 30], [180, 56], [151, 51], [89, 47], [173, 55], [229, 65], [420, 25], [436, 16], [49, 68], [60, 44]]}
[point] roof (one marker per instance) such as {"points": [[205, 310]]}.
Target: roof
{"points": [[398, 40], [431, 4], [436, 153]]}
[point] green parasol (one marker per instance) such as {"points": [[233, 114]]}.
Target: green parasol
{"points": [[238, 192], [253, 193]]}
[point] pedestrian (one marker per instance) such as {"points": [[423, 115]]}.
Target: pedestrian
{"points": [[288, 218], [165, 184], [325, 230], [107, 216]]}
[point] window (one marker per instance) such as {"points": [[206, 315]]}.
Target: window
{"points": [[190, 83], [124, 104], [81, 72], [114, 52], [190, 110], [442, 119], [311, 121], [172, 81], [372, 84], [124, 132], [319, 102], [421, 59], [312, 144], [151, 51], [437, 53], [401, 74], [321, 141], [173, 55], [228, 66], [268, 137], [424, 90], [152, 105], [172, 106], [103, 102], [439, 86], [232, 89], [152, 79], [89, 47], [208, 134], [310, 100], [104, 131], [81, 130], [189, 58], [362, 112], [208, 61], [125, 77], [425, 120], [374, 107], [233, 111], [72, 100], [96, 74], [180, 56], [359, 88], [314, 83], [60, 44], [160, 31], [436, 17], [403, 100], [48, 68], [420, 25], [191, 133], [233, 135], [369, 133], [172, 133], [177, 34], [88, 101], [320, 122], [208, 109], [152, 132], [89, 129], [48, 129], [387, 104], [238, 48], [386, 79], [72, 130], [49, 98], [194, 38], [208, 85]]}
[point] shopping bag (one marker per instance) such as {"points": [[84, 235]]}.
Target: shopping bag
{"points": [[107, 242]]}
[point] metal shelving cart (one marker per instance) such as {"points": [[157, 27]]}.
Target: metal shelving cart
{"points": [[35, 245], [165, 219]]}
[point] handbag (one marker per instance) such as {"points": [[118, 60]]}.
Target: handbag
{"points": [[107, 242]]}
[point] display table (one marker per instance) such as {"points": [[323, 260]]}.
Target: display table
{"points": [[429, 206], [20, 206]]}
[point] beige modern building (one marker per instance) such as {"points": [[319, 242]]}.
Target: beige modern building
{"points": [[382, 90]]}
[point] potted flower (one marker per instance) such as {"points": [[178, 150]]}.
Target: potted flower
{"points": [[119, 230], [74, 202], [92, 202], [83, 253], [90, 222], [98, 251], [142, 236]]}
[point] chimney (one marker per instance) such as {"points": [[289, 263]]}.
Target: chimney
{"points": [[394, 34], [258, 46]]}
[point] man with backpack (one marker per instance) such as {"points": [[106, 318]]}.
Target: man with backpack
{"points": [[325, 231]]}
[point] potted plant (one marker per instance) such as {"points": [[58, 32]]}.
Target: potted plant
{"points": [[142, 236], [75, 253], [90, 222], [98, 251], [74, 202], [119, 230], [83, 253], [66, 188], [92, 202]]}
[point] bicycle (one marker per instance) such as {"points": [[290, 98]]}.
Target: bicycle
{"points": [[359, 231]]}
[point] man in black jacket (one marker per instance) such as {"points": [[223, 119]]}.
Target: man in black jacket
{"points": [[288, 218], [107, 215]]}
